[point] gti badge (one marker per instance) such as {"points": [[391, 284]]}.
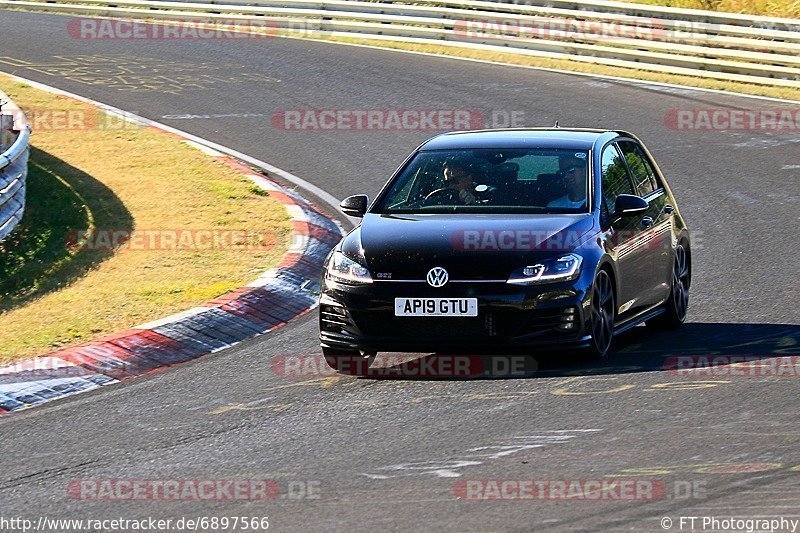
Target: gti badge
{"points": [[437, 277]]}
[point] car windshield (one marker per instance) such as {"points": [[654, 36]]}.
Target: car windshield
{"points": [[490, 181]]}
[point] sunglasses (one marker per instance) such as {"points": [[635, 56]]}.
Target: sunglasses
{"points": [[458, 176], [569, 170]]}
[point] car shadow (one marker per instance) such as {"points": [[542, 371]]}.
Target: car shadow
{"points": [[704, 348]]}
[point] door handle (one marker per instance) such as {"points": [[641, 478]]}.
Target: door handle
{"points": [[647, 222], [668, 209]]}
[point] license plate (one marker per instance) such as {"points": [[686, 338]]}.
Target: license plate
{"points": [[435, 307]]}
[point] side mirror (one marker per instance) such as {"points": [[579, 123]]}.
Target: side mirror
{"points": [[355, 206], [628, 205]]}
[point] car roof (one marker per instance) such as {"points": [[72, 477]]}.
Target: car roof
{"points": [[570, 139]]}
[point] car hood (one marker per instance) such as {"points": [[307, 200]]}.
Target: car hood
{"points": [[469, 246]]}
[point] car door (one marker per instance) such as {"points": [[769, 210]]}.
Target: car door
{"points": [[625, 234], [657, 220]]}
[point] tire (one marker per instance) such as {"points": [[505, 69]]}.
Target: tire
{"points": [[601, 317], [347, 362], [677, 305]]}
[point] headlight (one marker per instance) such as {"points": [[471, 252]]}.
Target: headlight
{"points": [[342, 269], [564, 268]]}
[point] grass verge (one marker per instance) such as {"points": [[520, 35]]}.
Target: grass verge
{"points": [[91, 174], [768, 8]]}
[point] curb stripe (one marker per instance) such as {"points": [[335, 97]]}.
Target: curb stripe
{"points": [[267, 303]]}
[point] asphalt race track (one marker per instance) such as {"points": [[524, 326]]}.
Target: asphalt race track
{"points": [[390, 453]]}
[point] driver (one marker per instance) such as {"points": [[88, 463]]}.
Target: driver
{"points": [[458, 177], [572, 170]]}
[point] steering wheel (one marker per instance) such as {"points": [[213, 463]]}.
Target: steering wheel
{"points": [[445, 193]]}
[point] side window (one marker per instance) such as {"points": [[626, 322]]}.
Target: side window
{"points": [[615, 177], [643, 175]]}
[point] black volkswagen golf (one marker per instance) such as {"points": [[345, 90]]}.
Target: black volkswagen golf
{"points": [[490, 241]]}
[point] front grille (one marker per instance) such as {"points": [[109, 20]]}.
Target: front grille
{"points": [[502, 323], [435, 327]]}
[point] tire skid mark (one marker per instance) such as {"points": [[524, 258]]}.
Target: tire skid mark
{"points": [[451, 467]]}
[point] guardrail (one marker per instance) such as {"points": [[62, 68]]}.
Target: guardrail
{"points": [[721, 46], [14, 136]]}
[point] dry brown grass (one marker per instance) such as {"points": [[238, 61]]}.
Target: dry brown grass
{"points": [[769, 8], [146, 178]]}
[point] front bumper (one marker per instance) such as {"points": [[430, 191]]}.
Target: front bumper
{"points": [[510, 318]]}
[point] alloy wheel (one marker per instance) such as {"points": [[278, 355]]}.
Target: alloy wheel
{"points": [[680, 284], [602, 315]]}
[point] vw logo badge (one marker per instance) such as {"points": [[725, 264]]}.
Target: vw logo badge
{"points": [[437, 277]]}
